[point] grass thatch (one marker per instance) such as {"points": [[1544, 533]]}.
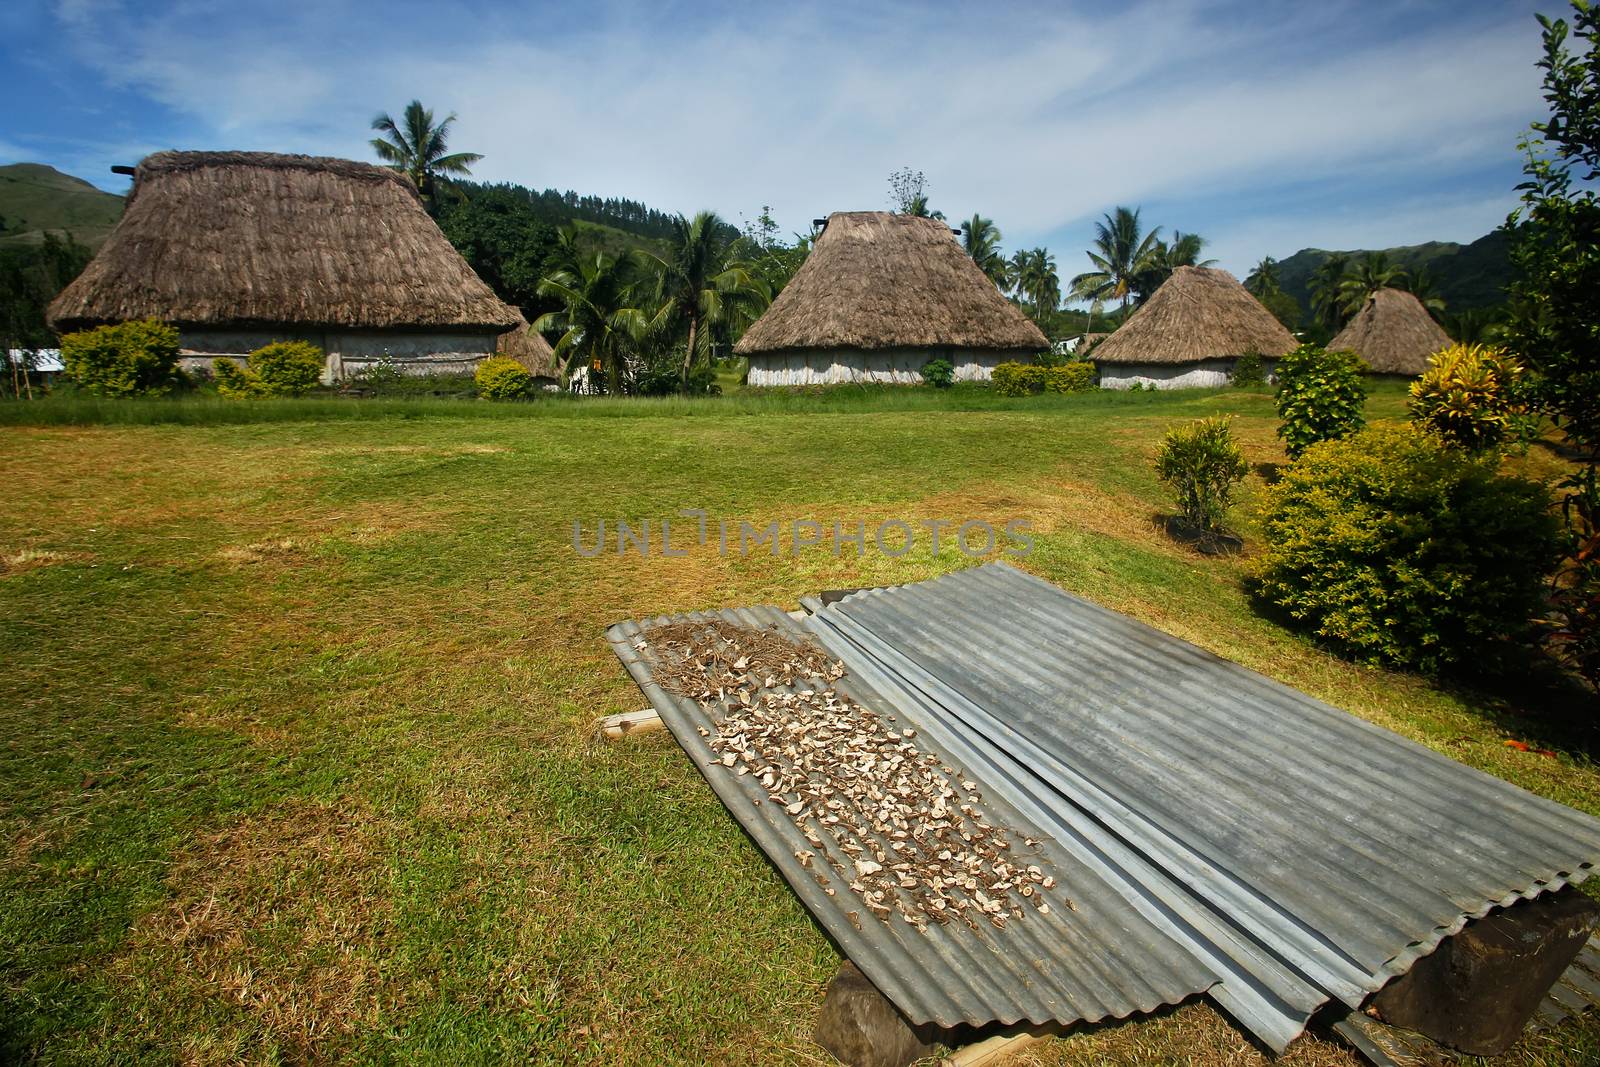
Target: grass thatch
{"points": [[1394, 333], [1198, 313], [529, 348], [249, 239], [876, 280]]}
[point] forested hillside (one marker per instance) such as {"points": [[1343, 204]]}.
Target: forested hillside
{"points": [[1466, 276]]}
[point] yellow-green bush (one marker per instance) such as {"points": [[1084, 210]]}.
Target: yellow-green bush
{"points": [[1201, 463], [1321, 396], [1391, 547], [1026, 379], [1469, 396], [128, 359], [282, 368], [503, 378]]}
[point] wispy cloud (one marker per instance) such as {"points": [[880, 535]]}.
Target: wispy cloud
{"points": [[1040, 116]]}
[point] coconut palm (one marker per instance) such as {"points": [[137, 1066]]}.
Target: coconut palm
{"points": [[1037, 282], [1264, 278], [701, 284], [1425, 287], [1184, 251], [1374, 272], [981, 238], [599, 323], [418, 148], [1124, 250], [1326, 303]]}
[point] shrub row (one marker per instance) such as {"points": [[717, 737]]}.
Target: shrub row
{"points": [[1028, 379]]}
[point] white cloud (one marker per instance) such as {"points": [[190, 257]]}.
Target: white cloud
{"points": [[1040, 118]]}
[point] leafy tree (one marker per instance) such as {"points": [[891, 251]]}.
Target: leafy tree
{"points": [[701, 285], [419, 148], [506, 242], [908, 193], [1327, 302], [30, 277], [1555, 316], [1124, 250], [1360, 281], [771, 260], [599, 321], [981, 238]]}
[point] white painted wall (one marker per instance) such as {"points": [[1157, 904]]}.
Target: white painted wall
{"points": [[895, 366], [349, 351], [1203, 374]]}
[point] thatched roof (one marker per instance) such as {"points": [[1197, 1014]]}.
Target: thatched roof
{"points": [[1394, 333], [529, 348], [237, 239], [876, 280], [1198, 313]]}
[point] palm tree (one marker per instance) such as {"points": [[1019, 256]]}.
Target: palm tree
{"points": [[981, 238], [1124, 250], [599, 324], [1038, 283], [1184, 251], [701, 284], [1326, 303], [419, 149], [1422, 285], [1264, 278], [1374, 272]]}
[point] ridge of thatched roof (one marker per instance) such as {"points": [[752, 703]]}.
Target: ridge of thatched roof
{"points": [[529, 348], [1198, 313], [237, 239], [1394, 333], [878, 280]]}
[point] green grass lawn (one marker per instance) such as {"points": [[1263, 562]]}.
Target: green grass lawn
{"points": [[297, 712]]}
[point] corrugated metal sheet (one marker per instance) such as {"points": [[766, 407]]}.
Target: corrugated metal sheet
{"points": [[1338, 851], [1215, 828], [1098, 957], [1577, 991]]}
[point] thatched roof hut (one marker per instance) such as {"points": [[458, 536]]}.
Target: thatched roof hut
{"points": [[880, 295], [1190, 332], [1394, 333], [529, 348], [232, 247]]}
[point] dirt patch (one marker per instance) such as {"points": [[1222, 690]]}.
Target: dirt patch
{"points": [[29, 559], [278, 915], [284, 550]]}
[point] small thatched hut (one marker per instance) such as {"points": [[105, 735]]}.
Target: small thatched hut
{"points": [[530, 349], [1189, 333], [1394, 333], [878, 297], [238, 249]]}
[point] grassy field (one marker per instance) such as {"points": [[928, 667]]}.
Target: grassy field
{"points": [[297, 713]]}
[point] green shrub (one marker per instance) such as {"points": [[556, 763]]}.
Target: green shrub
{"points": [[503, 378], [1201, 463], [282, 368], [939, 373], [1320, 396], [1248, 370], [1470, 396], [1391, 547], [1027, 379], [136, 358]]}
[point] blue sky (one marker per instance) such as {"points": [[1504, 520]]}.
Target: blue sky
{"points": [[1266, 127]]}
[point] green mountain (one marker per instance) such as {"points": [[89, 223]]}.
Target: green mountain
{"points": [[35, 198], [1468, 276]]}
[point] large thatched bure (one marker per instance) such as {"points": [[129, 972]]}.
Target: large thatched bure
{"points": [[1190, 333], [878, 297], [238, 249], [1394, 333]]}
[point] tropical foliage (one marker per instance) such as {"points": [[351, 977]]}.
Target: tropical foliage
{"points": [[1121, 251], [1321, 396], [981, 238], [703, 292], [1201, 463], [503, 378], [418, 147], [1470, 397], [30, 277], [1027, 379], [1037, 285], [1264, 284], [282, 368], [600, 325], [136, 358], [1391, 547]]}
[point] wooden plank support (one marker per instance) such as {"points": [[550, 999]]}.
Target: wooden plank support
{"points": [[644, 721]]}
